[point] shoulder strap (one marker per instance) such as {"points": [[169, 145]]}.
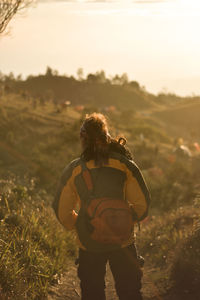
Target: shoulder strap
{"points": [[87, 178]]}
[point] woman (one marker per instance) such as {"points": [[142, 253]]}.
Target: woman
{"points": [[112, 175]]}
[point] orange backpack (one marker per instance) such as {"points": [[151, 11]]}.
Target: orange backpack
{"points": [[108, 221]]}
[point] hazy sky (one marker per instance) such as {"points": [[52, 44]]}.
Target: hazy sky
{"points": [[155, 42]]}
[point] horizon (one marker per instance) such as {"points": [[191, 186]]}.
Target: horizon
{"points": [[154, 42]]}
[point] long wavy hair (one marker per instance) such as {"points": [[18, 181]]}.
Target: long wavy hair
{"points": [[97, 142]]}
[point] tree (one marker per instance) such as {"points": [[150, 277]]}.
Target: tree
{"points": [[120, 80], [124, 79], [98, 77], [80, 74], [8, 8], [49, 72], [134, 84]]}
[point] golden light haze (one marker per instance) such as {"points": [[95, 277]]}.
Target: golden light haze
{"points": [[155, 42]]}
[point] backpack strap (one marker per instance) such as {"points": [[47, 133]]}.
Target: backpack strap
{"points": [[87, 179], [86, 176]]}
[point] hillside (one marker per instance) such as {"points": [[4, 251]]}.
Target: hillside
{"points": [[96, 91], [177, 116], [37, 140], [182, 119], [30, 135]]}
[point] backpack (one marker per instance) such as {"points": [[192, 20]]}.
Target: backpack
{"points": [[102, 223]]}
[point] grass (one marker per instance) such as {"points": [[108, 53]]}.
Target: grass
{"points": [[185, 271], [170, 243], [34, 249], [29, 138]]}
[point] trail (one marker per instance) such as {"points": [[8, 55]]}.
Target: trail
{"points": [[68, 288]]}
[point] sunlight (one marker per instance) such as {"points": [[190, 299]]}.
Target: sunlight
{"points": [[153, 41], [141, 8]]}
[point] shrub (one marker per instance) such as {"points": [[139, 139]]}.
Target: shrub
{"points": [[161, 233], [170, 244], [186, 266], [173, 186], [151, 132]]}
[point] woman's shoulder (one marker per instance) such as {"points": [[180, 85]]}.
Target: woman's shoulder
{"points": [[67, 172], [120, 148], [119, 156], [72, 164], [129, 163]]}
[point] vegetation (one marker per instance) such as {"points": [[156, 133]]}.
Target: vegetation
{"points": [[39, 133], [170, 243], [33, 248]]}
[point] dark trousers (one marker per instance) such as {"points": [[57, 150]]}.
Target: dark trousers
{"points": [[124, 267]]}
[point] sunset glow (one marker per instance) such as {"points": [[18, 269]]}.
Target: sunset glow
{"points": [[154, 42]]}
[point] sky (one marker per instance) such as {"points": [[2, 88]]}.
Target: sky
{"points": [[155, 42]]}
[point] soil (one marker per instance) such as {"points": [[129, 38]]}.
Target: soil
{"points": [[68, 286]]}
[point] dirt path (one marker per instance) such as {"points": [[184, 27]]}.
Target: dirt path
{"points": [[68, 288]]}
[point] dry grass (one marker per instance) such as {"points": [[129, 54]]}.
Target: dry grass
{"points": [[33, 247]]}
